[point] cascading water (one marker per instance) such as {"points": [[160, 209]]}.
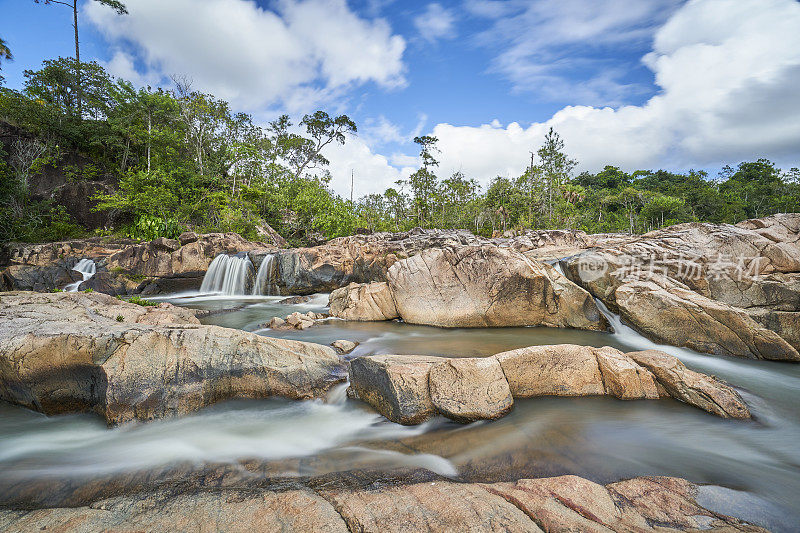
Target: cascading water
{"points": [[228, 274], [264, 284], [87, 268]]}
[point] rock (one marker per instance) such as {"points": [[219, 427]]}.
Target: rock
{"points": [[266, 233], [292, 300], [470, 389], [686, 318], [488, 286], [623, 377], [411, 389], [74, 352], [563, 503], [228, 510], [558, 370], [123, 266], [344, 346], [276, 322], [395, 385], [671, 501], [294, 319], [363, 302], [358, 258], [571, 503], [434, 506], [170, 245], [694, 388], [708, 287], [188, 237]]}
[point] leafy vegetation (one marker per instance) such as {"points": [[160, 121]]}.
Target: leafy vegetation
{"points": [[138, 300], [181, 159]]}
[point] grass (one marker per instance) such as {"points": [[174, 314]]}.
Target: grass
{"points": [[138, 300]]}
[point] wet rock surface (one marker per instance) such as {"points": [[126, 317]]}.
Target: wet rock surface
{"points": [[720, 289], [411, 389], [403, 502], [73, 352]]}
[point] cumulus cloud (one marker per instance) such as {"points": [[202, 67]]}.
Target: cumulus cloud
{"points": [[297, 56], [728, 72], [435, 23], [373, 172]]}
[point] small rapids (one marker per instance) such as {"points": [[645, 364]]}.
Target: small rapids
{"points": [[87, 268]]}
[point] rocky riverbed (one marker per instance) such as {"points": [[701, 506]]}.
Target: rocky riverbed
{"points": [[523, 326]]}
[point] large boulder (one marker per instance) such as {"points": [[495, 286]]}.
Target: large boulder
{"points": [[713, 288], [73, 352], [411, 389], [363, 302], [488, 286]]}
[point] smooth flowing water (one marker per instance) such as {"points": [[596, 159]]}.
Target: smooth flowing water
{"points": [[603, 439], [87, 269]]}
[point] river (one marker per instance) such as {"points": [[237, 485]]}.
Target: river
{"points": [[602, 439]]}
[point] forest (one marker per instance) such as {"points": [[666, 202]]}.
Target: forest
{"points": [[181, 159]]}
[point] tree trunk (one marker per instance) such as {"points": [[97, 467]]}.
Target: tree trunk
{"points": [[149, 136], [77, 56]]}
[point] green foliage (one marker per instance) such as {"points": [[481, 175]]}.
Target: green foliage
{"points": [[120, 318], [184, 160], [138, 300], [149, 227]]}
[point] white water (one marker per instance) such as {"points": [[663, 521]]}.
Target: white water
{"points": [[269, 430], [87, 268], [264, 284], [228, 274]]}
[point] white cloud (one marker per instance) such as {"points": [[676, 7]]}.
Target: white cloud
{"points": [[121, 65], [435, 23], [728, 72], [372, 172], [556, 47], [304, 52], [381, 131]]}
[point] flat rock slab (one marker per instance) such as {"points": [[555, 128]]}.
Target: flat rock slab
{"points": [[558, 504], [410, 389]]}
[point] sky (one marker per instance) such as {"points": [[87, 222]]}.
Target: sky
{"points": [[638, 84]]}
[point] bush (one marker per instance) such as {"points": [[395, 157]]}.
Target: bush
{"points": [[149, 227]]}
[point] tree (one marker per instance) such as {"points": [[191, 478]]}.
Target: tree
{"points": [[5, 55], [323, 130], [424, 182], [555, 166], [116, 5]]}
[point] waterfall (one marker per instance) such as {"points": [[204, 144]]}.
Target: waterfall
{"points": [[228, 274], [87, 268], [630, 337], [265, 278]]}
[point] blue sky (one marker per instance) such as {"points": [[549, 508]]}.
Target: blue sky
{"points": [[638, 84]]}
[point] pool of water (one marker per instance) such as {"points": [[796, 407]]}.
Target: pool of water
{"points": [[603, 439]]}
